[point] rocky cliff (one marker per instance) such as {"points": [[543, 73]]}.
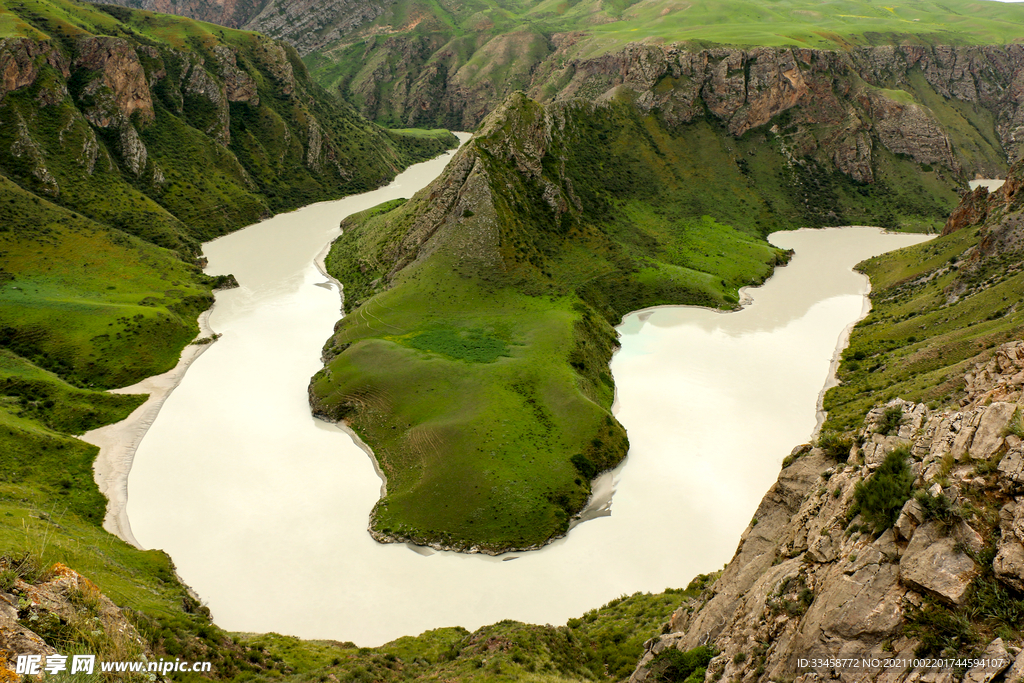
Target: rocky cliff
{"points": [[907, 546], [946, 100], [956, 107]]}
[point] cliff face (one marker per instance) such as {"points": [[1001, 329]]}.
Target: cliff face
{"points": [[813, 579], [910, 100]]}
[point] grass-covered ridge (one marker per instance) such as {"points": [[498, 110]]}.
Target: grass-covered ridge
{"points": [[938, 308], [474, 358]]}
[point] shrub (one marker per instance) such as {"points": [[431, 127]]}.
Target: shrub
{"points": [[880, 498], [676, 666], [938, 507], [835, 445], [942, 631], [892, 418], [584, 465]]}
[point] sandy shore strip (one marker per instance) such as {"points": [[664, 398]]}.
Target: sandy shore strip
{"points": [[119, 441]]}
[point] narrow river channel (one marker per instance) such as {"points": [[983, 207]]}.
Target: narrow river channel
{"points": [[264, 509]]}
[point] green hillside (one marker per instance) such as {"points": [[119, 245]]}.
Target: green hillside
{"points": [[126, 140]]}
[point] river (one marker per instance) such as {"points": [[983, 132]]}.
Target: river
{"points": [[264, 509]]}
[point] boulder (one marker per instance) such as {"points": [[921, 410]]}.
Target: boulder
{"points": [[997, 660], [910, 517], [932, 564], [1009, 563], [1016, 672], [988, 438]]}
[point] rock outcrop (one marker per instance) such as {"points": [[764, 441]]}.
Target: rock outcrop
{"points": [[61, 604], [811, 581]]}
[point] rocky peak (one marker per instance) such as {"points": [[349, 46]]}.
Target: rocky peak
{"points": [[21, 59]]}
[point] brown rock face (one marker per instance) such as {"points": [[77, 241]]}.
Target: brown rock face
{"points": [[233, 13], [21, 59], [121, 74]]}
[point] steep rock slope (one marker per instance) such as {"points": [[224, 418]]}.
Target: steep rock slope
{"points": [[868, 72], [902, 546], [962, 104]]}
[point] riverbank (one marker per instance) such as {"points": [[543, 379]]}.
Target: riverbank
{"points": [[118, 442], [255, 488]]}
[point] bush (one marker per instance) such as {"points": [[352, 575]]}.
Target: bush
{"points": [[836, 446], [880, 498], [584, 466], [942, 631], [938, 507], [892, 418], [675, 666]]}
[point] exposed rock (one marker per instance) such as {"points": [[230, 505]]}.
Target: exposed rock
{"points": [[197, 82], [1009, 563], [132, 150], [121, 88], [16, 640], [997, 660], [25, 147], [859, 590], [1016, 672], [239, 86], [932, 563], [910, 517], [988, 438], [20, 62], [66, 597]]}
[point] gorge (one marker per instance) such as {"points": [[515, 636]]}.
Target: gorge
{"points": [[625, 176]]}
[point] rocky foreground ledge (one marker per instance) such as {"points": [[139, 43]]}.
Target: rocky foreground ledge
{"points": [[816, 576]]}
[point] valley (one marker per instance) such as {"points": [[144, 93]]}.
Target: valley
{"points": [[625, 155]]}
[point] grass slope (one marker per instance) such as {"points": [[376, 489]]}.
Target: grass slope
{"points": [[474, 356], [937, 309], [99, 281]]}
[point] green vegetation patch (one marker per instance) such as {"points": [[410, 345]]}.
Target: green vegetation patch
{"points": [[602, 645], [880, 497], [473, 346]]}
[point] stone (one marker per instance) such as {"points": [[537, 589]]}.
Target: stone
{"points": [[1011, 468], [997, 661], [988, 438], [931, 563], [16, 640], [1016, 672], [1008, 565], [910, 517], [967, 536]]}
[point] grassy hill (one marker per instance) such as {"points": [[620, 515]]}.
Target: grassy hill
{"points": [[127, 139], [474, 356]]}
